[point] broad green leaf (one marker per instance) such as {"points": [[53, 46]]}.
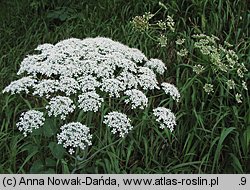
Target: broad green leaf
{"points": [[37, 167], [50, 162], [49, 128], [38, 131], [57, 150], [49, 171], [31, 148]]}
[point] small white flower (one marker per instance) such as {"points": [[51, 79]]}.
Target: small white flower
{"points": [[231, 84], [118, 122], [125, 64], [135, 55], [46, 87], [238, 98], [147, 78], [163, 40], [137, 98], [161, 24], [128, 79], [71, 151], [87, 67], [68, 85], [32, 64], [165, 117], [244, 85], [44, 47], [172, 90], [113, 87], [156, 65], [180, 41], [60, 105], [74, 135], [240, 73], [208, 88], [183, 52], [70, 68], [90, 101], [170, 23], [20, 85], [104, 71], [198, 69], [30, 120], [88, 83]]}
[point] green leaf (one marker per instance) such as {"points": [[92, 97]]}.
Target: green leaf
{"points": [[50, 162], [65, 167], [248, 136], [49, 128], [49, 171], [37, 167], [30, 148], [225, 132], [57, 150], [38, 131], [27, 159], [63, 16], [236, 164]]}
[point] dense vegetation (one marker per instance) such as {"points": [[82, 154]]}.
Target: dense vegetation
{"points": [[213, 130]]}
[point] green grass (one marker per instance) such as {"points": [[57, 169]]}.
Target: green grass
{"points": [[212, 133]]}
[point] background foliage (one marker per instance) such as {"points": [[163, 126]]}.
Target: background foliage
{"points": [[213, 133]]}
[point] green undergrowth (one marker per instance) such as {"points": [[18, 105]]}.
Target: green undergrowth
{"points": [[212, 133]]}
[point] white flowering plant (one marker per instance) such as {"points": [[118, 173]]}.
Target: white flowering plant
{"points": [[220, 63], [77, 77], [215, 65], [162, 31]]}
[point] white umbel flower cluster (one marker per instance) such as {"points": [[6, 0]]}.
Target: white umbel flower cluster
{"points": [[46, 87], [220, 60], [118, 122], [75, 66], [147, 79], [128, 79], [88, 83], [156, 65], [171, 90], [30, 120], [21, 85], [86, 72], [137, 98], [60, 106], [68, 85], [113, 87], [90, 101], [165, 117], [74, 135]]}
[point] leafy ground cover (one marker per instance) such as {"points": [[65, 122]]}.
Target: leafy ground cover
{"points": [[213, 130]]}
